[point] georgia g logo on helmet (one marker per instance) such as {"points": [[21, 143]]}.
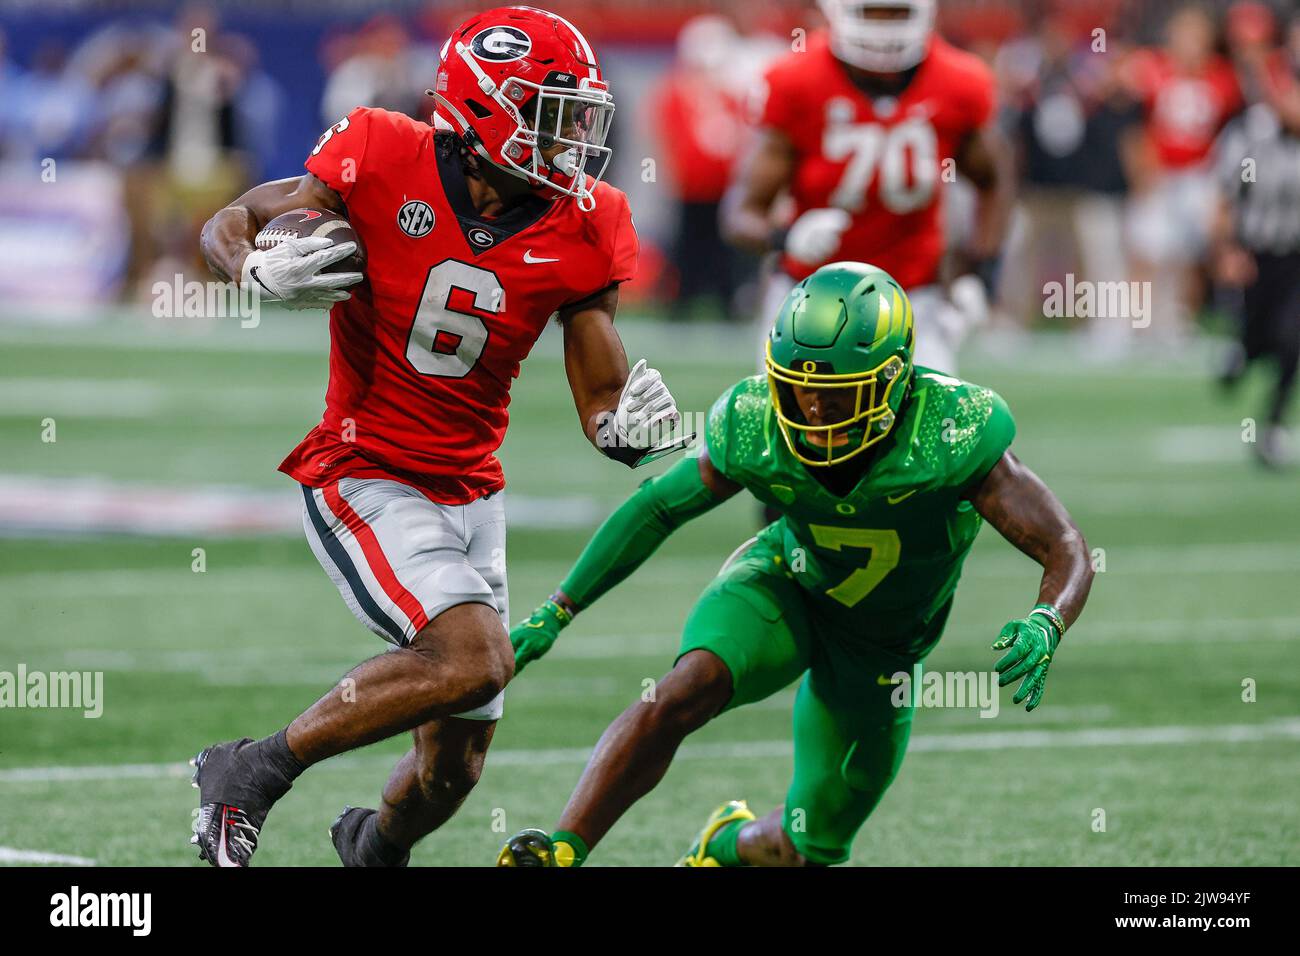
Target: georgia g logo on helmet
{"points": [[500, 44]]}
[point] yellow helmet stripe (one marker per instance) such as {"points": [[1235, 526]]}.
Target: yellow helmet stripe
{"points": [[885, 315]]}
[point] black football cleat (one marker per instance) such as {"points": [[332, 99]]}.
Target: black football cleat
{"points": [[345, 833], [232, 805]]}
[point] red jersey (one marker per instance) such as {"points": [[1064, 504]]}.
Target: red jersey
{"points": [[880, 159], [423, 354], [701, 131], [1185, 111]]}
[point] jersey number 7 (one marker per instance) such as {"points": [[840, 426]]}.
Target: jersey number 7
{"points": [[884, 546]]}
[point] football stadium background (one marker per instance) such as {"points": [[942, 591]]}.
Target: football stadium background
{"points": [[145, 534]]}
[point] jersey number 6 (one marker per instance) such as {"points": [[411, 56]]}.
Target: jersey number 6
{"points": [[447, 337]]}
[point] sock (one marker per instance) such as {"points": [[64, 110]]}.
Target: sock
{"points": [[722, 846], [275, 764], [376, 848], [570, 849]]}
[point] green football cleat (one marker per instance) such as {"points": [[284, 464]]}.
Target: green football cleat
{"points": [[531, 847], [729, 812]]}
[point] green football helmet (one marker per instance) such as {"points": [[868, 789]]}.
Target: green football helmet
{"points": [[847, 326]]}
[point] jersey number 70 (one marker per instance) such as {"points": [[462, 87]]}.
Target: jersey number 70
{"points": [[902, 158]]}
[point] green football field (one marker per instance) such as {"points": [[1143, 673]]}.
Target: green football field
{"points": [[1144, 751]]}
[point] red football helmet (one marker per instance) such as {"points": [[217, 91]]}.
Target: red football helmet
{"points": [[514, 81]]}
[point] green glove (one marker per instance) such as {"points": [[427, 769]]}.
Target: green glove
{"points": [[1032, 641], [534, 637]]}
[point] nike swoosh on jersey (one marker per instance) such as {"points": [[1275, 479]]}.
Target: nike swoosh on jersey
{"points": [[895, 499], [530, 258]]}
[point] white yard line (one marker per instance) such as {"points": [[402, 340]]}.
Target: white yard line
{"points": [[1286, 728], [129, 329], [87, 398], [9, 854], [267, 665], [130, 398], [1121, 562], [92, 504]]}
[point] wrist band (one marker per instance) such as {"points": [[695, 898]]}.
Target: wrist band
{"points": [[563, 606], [1053, 616]]}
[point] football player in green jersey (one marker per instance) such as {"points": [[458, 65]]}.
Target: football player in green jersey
{"points": [[883, 474]]}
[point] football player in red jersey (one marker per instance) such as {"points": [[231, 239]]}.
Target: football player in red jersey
{"points": [[1190, 92], [475, 234], [862, 128]]}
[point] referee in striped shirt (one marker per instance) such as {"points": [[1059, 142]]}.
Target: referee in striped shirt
{"points": [[1257, 234]]}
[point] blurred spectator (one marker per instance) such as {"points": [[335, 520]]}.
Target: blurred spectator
{"points": [[1077, 130], [213, 105], [379, 66], [125, 67], [10, 76], [1189, 91], [49, 109], [701, 131], [1250, 30]]}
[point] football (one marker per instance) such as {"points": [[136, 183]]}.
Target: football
{"points": [[301, 223]]}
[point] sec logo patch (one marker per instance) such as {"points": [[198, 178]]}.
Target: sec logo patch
{"points": [[415, 218]]}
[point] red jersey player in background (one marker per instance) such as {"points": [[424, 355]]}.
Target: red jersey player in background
{"points": [[476, 234], [862, 130], [1189, 92]]}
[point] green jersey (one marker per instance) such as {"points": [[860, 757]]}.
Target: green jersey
{"points": [[882, 561]]}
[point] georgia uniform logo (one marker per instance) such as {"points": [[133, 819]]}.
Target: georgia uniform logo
{"points": [[415, 218], [500, 44]]}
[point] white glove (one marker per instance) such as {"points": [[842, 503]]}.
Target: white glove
{"points": [[290, 272], [815, 236], [641, 427], [968, 297]]}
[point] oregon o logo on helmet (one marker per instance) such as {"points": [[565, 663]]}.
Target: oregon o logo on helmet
{"points": [[500, 44], [415, 218]]}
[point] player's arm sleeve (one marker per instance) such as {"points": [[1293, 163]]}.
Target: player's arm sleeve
{"points": [[339, 153], [717, 436], [771, 104], [626, 246], [623, 247], [996, 436], [632, 533]]}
